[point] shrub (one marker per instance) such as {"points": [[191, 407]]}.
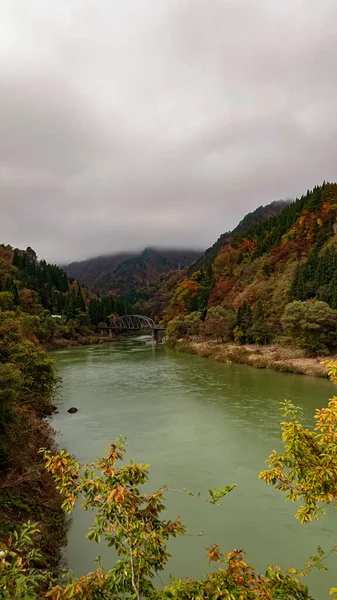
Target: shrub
{"points": [[311, 325], [220, 323]]}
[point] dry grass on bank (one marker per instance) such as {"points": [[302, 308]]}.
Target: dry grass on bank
{"points": [[89, 340], [277, 358]]}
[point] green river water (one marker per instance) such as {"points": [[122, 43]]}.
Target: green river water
{"points": [[200, 425]]}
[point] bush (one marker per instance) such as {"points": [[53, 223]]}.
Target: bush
{"points": [[219, 323], [184, 325], [311, 325]]}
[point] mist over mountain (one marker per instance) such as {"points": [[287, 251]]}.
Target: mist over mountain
{"points": [[126, 272], [260, 214]]}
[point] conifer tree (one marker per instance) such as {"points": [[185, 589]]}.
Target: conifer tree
{"points": [[71, 308], [80, 304], [261, 330], [244, 323], [11, 287], [95, 313]]}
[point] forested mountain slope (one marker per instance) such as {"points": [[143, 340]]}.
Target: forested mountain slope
{"points": [[260, 214], [288, 257], [37, 286], [92, 271], [126, 274]]}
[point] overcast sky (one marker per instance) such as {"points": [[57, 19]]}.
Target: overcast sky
{"points": [[129, 123]]}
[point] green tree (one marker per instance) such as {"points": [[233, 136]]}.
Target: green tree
{"points": [[80, 304], [95, 311], [310, 325], [27, 374], [11, 287], [184, 325], [260, 328], [243, 332], [6, 301]]}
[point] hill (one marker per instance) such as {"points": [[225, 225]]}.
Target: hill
{"points": [[159, 302], [260, 214], [126, 274], [44, 290], [90, 272], [280, 271]]}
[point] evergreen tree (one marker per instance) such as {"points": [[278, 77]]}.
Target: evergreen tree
{"points": [[71, 308], [45, 297], [80, 304], [261, 330], [244, 324], [330, 292], [17, 259], [11, 287], [95, 312], [193, 303]]}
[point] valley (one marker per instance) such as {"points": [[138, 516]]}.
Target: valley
{"points": [[263, 296]]}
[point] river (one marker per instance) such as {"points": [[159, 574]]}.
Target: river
{"points": [[200, 425]]}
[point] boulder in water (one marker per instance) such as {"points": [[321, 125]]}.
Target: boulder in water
{"points": [[72, 410]]}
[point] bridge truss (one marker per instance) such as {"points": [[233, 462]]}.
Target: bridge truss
{"points": [[132, 323]]}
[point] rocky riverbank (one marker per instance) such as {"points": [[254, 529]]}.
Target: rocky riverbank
{"points": [[277, 358]]}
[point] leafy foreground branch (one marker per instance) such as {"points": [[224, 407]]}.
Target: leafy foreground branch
{"points": [[131, 522], [308, 468]]}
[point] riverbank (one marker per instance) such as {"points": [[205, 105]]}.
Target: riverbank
{"points": [[87, 340], [276, 358], [28, 492], [28, 384]]}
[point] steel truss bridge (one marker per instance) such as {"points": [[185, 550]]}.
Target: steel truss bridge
{"points": [[132, 323]]}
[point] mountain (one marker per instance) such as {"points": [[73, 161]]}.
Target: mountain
{"points": [[277, 254], [126, 274], [260, 214], [91, 271], [160, 302]]}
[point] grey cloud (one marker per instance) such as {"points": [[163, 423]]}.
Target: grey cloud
{"points": [[155, 122]]}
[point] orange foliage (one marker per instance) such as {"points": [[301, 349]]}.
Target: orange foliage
{"points": [[226, 259], [29, 302], [248, 245]]}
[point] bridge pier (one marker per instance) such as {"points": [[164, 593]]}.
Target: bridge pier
{"points": [[155, 334]]}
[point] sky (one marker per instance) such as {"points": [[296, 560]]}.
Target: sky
{"points": [[134, 123]]}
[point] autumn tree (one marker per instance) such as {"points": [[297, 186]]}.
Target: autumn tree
{"points": [[132, 522], [27, 375], [220, 323], [306, 470]]}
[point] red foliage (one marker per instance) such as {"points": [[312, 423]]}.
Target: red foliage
{"points": [[284, 252], [248, 246], [221, 290], [249, 297]]}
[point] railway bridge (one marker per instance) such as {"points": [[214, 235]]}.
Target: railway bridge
{"points": [[131, 323]]}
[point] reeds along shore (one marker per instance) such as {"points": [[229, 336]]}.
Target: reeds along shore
{"points": [[277, 358]]}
